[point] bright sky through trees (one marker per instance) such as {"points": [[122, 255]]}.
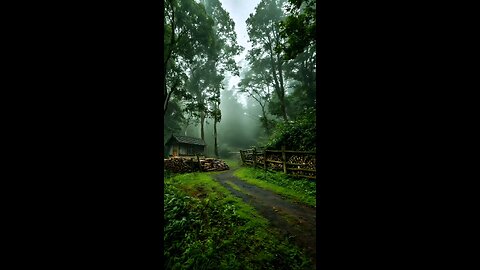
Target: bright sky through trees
{"points": [[239, 11]]}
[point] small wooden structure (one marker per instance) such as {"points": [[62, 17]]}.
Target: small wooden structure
{"points": [[184, 146]]}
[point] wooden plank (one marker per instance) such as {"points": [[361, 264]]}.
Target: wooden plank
{"points": [[284, 159], [301, 152], [274, 151], [297, 169], [275, 161], [298, 164], [292, 151]]}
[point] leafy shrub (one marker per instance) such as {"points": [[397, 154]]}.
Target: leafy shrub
{"points": [[295, 135]]}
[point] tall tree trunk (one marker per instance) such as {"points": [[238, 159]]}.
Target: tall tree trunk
{"points": [[278, 81], [215, 134], [202, 123], [167, 98], [282, 88], [167, 94], [267, 127]]}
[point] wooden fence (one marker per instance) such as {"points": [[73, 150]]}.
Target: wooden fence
{"points": [[296, 163]]}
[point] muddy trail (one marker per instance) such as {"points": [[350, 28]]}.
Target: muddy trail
{"points": [[290, 219]]}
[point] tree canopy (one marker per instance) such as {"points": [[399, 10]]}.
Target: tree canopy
{"points": [[299, 27], [278, 78]]}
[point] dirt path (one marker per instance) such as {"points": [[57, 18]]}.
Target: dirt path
{"points": [[293, 220]]}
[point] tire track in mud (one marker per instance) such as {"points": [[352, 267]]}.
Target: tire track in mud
{"points": [[291, 219]]}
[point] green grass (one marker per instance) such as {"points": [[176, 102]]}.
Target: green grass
{"points": [[299, 190], [233, 163], [206, 227]]}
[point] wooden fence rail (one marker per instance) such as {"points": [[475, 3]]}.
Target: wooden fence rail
{"points": [[295, 163]]}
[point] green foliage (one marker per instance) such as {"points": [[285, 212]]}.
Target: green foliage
{"points": [[264, 33], [173, 119], [207, 228], [275, 108], [299, 190], [297, 135], [299, 27], [187, 37], [301, 73], [199, 46]]}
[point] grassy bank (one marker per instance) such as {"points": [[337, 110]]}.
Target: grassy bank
{"points": [[299, 190], [206, 227]]}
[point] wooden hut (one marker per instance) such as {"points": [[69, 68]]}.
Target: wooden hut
{"points": [[184, 146]]}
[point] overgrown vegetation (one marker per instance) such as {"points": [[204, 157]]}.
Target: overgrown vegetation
{"points": [[296, 135], [207, 228], [299, 190]]}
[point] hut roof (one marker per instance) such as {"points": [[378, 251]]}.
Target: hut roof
{"points": [[187, 140]]}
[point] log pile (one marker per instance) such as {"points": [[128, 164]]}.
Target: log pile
{"points": [[178, 165], [312, 163], [260, 159], [185, 165], [302, 162], [306, 161], [275, 166], [211, 164]]}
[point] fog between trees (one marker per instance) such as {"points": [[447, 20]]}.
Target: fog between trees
{"points": [[277, 79]]}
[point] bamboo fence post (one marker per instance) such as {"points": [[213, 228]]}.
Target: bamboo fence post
{"points": [[284, 160], [254, 158]]}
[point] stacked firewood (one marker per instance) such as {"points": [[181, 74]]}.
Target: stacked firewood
{"points": [[183, 165], [275, 166], [211, 164], [177, 165], [296, 159], [304, 161], [312, 163]]}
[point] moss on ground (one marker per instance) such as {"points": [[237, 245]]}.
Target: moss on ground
{"points": [[298, 190], [206, 227]]}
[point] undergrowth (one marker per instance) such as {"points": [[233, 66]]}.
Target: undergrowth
{"points": [[208, 228]]}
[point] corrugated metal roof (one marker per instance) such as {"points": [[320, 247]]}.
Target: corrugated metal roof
{"points": [[187, 140]]}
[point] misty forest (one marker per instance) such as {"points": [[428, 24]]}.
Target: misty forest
{"points": [[239, 134]]}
